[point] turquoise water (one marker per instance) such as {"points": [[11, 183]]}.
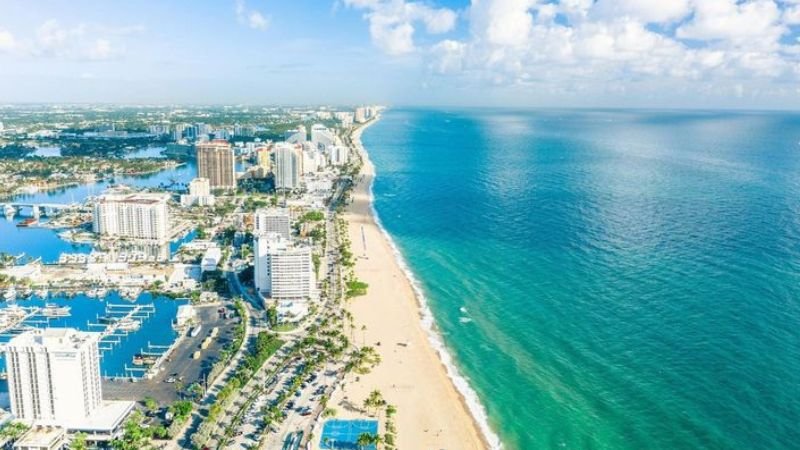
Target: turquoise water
{"points": [[607, 279]]}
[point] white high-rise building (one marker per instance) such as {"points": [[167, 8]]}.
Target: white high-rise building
{"points": [[137, 216], [296, 136], [283, 271], [288, 166], [199, 193], [200, 187], [273, 220], [54, 375], [340, 155], [361, 115], [311, 161], [322, 137]]}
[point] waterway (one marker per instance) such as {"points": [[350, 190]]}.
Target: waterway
{"points": [[45, 243], [154, 333]]}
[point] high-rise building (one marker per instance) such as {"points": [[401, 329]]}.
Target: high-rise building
{"points": [[273, 220], [311, 161], [288, 166], [200, 187], [177, 132], [54, 375], [322, 137], [137, 216], [264, 157], [296, 136], [339, 155], [199, 193], [215, 161], [283, 271], [361, 114]]}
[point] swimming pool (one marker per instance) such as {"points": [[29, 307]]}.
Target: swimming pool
{"points": [[342, 434]]}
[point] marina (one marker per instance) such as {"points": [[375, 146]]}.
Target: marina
{"points": [[137, 326], [40, 240]]}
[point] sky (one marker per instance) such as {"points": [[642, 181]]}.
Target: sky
{"points": [[520, 53]]}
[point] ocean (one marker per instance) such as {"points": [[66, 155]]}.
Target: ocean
{"points": [[607, 279]]}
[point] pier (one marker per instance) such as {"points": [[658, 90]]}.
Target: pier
{"points": [[120, 320]]}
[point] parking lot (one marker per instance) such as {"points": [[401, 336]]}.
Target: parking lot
{"points": [[179, 370]]}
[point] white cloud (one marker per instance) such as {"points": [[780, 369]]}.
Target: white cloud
{"points": [[7, 41], [250, 17], [257, 21], [647, 11], [80, 42], [605, 44], [392, 22], [734, 21]]}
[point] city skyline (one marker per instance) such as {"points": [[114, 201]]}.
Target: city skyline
{"points": [[625, 53]]}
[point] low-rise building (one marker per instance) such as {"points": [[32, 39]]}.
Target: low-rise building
{"points": [[211, 259], [42, 438]]}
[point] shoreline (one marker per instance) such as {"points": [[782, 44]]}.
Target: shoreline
{"points": [[460, 402]]}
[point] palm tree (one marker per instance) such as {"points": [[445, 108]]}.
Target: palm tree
{"points": [[363, 440], [374, 401]]}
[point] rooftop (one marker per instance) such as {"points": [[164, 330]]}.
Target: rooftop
{"points": [[41, 436], [54, 338]]}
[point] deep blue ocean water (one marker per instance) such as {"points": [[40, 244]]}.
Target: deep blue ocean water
{"points": [[607, 279]]}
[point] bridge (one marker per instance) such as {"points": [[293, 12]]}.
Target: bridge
{"points": [[37, 209]]}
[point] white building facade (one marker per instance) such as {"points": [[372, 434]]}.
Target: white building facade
{"points": [[322, 137], [273, 220], [339, 155], [54, 375], [288, 167], [283, 271], [199, 193], [137, 216]]}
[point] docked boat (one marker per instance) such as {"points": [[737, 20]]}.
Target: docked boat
{"points": [[128, 324], [140, 359], [53, 310], [42, 293], [108, 319], [29, 222], [10, 294]]}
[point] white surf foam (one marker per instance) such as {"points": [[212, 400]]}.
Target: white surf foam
{"points": [[429, 324]]}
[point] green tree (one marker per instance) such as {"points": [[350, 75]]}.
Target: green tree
{"points": [[374, 401], [151, 404], [78, 442], [364, 440]]}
